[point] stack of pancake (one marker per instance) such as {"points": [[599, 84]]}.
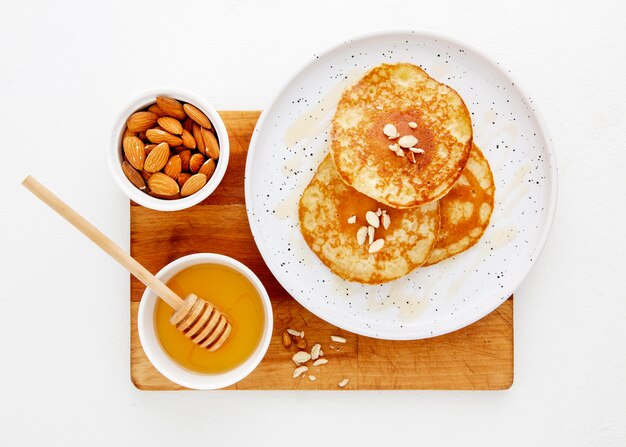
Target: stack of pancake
{"points": [[403, 186]]}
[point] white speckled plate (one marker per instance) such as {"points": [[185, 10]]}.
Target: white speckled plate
{"points": [[291, 138]]}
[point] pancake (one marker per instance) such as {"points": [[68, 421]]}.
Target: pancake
{"points": [[466, 209], [325, 209], [400, 94]]}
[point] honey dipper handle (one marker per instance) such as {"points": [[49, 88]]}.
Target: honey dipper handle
{"points": [[106, 244]]}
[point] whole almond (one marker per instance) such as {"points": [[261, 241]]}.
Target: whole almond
{"points": [[173, 167], [156, 110], [185, 156], [157, 158], [195, 114], [183, 177], [171, 107], [161, 136], [212, 148], [128, 133], [188, 140], [188, 124], [163, 185], [195, 162], [193, 185], [163, 196], [133, 175], [208, 168], [134, 152], [140, 121], [197, 134], [171, 125], [149, 147]]}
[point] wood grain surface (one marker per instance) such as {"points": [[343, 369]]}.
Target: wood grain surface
{"points": [[478, 357]]}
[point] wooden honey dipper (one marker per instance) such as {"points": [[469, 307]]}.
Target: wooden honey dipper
{"points": [[200, 321]]}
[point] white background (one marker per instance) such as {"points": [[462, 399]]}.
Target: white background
{"points": [[66, 67]]}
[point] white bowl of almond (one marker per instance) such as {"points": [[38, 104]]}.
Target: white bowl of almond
{"points": [[170, 150]]}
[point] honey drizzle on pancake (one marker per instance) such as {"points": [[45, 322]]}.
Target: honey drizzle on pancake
{"points": [[466, 209]]}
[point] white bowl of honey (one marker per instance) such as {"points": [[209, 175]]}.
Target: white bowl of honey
{"points": [[236, 291]]}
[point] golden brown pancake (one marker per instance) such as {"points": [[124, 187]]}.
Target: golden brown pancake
{"points": [[324, 211], [466, 209], [398, 94]]}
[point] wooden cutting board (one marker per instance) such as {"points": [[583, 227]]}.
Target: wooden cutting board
{"points": [[478, 357]]}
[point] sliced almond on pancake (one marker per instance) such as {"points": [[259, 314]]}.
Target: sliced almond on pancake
{"points": [[391, 131], [376, 245], [361, 235], [386, 221], [407, 141], [372, 218]]}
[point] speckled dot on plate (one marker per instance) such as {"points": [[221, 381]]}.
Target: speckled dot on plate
{"points": [[291, 139]]}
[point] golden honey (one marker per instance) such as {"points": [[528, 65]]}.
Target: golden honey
{"points": [[234, 295]]}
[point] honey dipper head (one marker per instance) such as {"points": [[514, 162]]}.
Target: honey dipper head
{"points": [[202, 322]]}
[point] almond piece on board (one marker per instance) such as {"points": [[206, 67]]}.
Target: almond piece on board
{"points": [[134, 152], [286, 339], [171, 107], [196, 114], [193, 185]]}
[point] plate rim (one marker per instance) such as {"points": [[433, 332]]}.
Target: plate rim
{"points": [[460, 324]]}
